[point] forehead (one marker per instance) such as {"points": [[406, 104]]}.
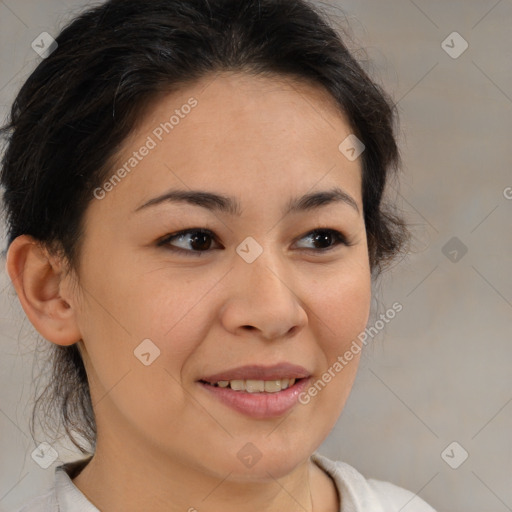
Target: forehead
{"points": [[233, 133]]}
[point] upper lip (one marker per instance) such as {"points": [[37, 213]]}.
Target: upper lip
{"points": [[258, 372]]}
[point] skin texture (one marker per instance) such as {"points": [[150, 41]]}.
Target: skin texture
{"points": [[163, 442]]}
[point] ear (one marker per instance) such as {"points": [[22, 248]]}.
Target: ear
{"points": [[40, 283]]}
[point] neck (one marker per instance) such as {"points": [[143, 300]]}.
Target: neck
{"points": [[118, 479]]}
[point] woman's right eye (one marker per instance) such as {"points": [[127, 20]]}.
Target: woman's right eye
{"points": [[200, 241]]}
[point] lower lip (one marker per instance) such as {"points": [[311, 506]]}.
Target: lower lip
{"points": [[259, 405]]}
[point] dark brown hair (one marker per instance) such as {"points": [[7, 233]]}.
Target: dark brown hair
{"points": [[75, 110]]}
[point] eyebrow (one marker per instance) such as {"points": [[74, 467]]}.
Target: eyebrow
{"points": [[230, 205]]}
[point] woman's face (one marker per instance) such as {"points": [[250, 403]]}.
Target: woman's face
{"points": [[261, 290]]}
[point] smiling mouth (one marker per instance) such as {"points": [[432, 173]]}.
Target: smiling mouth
{"points": [[254, 386], [264, 398]]}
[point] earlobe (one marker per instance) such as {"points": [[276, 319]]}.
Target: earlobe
{"points": [[38, 280]]}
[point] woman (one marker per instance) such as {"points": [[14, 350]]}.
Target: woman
{"points": [[203, 376]]}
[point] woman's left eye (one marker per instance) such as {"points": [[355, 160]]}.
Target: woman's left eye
{"points": [[202, 238], [323, 236]]}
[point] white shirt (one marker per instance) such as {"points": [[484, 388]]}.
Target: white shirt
{"points": [[357, 493]]}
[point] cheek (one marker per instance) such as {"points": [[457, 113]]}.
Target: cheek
{"points": [[341, 306], [137, 342], [341, 312], [153, 303], [165, 314], [172, 309]]}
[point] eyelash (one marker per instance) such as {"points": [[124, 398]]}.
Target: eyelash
{"points": [[338, 238]]}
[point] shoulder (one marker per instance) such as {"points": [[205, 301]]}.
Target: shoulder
{"points": [[397, 498], [63, 495], [359, 494], [43, 503]]}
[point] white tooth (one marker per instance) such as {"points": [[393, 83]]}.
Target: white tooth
{"points": [[284, 383], [254, 386], [272, 386], [237, 385], [258, 386]]}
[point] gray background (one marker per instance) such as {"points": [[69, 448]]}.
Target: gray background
{"points": [[440, 371]]}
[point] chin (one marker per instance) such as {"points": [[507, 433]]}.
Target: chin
{"points": [[263, 460]]}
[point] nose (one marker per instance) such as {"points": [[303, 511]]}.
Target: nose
{"points": [[261, 298]]}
